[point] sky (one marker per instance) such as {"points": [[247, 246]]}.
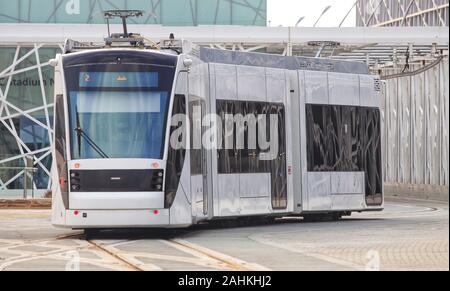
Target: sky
{"points": [[288, 12]]}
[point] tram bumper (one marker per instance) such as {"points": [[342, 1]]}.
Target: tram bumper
{"points": [[138, 218]]}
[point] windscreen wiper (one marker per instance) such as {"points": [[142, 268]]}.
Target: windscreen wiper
{"points": [[81, 133]]}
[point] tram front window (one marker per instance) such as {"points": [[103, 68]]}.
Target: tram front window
{"points": [[118, 115]]}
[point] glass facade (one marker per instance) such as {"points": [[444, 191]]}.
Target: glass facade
{"points": [[165, 12], [26, 110], [26, 79]]}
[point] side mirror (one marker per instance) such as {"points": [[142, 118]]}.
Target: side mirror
{"points": [[54, 62], [188, 63]]}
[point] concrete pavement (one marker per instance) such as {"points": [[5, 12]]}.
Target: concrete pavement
{"points": [[408, 235]]}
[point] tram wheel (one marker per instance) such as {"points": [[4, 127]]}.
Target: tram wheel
{"points": [[90, 233], [336, 216], [322, 217], [228, 223]]}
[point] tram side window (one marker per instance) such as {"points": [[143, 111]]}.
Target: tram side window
{"points": [[250, 158], [345, 130], [278, 165], [228, 155], [250, 155], [175, 160], [60, 147], [346, 139], [60, 133], [370, 153], [197, 112], [332, 138], [320, 152], [195, 152]]}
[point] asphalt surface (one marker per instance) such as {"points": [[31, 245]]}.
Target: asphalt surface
{"points": [[408, 235]]}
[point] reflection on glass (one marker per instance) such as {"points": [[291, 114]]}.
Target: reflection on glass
{"points": [[121, 124]]}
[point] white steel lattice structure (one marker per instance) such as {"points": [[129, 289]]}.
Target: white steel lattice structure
{"points": [[402, 12], [34, 117]]}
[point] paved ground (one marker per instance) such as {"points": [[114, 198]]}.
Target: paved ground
{"points": [[408, 235]]}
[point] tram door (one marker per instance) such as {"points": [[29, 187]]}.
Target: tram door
{"points": [[199, 169]]}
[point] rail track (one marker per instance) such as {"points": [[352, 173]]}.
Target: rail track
{"points": [[201, 256]]}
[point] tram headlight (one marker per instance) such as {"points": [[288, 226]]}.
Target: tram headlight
{"points": [[75, 184], [157, 180]]}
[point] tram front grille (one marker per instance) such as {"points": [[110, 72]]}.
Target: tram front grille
{"points": [[116, 180]]}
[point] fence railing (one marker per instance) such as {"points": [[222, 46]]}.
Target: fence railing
{"points": [[28, 176]]}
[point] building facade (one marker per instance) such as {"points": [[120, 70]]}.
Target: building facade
{"points": [[26, 79], [416, 99], [164, 12], [402, 13]]}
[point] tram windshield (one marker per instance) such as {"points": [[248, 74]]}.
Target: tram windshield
{"points": [[119, 114]]}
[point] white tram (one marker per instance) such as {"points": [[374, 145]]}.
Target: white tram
{"points": [[117, 108]]}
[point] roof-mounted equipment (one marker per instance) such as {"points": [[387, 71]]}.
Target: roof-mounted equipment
{"points": [[133, 39]]}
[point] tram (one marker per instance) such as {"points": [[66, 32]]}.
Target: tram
{"points": [[168, 135]]}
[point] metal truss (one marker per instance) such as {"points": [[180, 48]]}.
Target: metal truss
{"points": [[381, 13]]}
